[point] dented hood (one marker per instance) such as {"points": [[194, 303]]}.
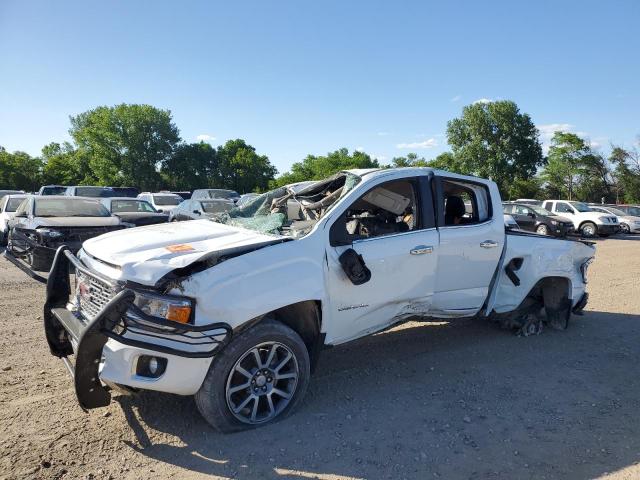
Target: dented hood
{"points": [[146, 254]]}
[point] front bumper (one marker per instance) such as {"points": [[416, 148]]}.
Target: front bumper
{"points": [[69, 333], [608, 229], [562, 229]]}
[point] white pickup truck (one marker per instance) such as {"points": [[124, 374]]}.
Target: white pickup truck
{"points": [[588, 222], [236, 310]]}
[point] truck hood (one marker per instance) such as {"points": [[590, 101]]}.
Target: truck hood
{"points": [[146, 254]]}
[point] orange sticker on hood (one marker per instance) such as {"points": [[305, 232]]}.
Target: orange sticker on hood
{"points": [[182, 247]]}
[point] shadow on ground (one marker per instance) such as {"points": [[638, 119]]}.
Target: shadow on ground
{"points": [[457, 400]]}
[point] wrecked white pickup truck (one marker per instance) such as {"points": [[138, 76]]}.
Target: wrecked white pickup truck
{"points": [[236, 311]]}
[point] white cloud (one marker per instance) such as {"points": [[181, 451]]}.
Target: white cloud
{"points": [[483, 100], [456, 98], [359, 149], [383, 134], [203, 137], [382, 158], [429, 143], [549, 129]]}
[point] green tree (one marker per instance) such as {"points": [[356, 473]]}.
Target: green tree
{"points": [[626, 174], [318, 167], [191, 166], [495, 140], [242, 169], [64, 165], [411, 160], [446, 161], [125, 144], [595, 179], [20, 171], [564, 164], [525, 188]]}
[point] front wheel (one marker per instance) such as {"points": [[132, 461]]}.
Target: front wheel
{"points": [[624, 228], [542, 229], [261, 376], [589, 229]]}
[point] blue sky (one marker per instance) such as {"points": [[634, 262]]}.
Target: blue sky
{"points": [[295, 77]]}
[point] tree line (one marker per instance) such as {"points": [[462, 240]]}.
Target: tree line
{"points": [[139, 145]]}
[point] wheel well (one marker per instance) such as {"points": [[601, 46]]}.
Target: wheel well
{"points": [[587, 221], [305, 318]]}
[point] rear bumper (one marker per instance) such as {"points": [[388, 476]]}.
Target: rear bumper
{"points": [[69, 333]]}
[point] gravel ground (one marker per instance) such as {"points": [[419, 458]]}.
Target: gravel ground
{"points": [[438, 400]]}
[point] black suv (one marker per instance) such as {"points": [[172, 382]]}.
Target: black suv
{"points": [[537, 219]]}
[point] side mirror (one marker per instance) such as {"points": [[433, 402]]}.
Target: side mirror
{"points": [[531, 214], [197, 212]]}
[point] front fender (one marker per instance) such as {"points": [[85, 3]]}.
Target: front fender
{"points": [[253, 284]]}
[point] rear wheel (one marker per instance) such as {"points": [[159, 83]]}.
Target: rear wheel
{"points": [[542, 229], [261, 376], [589, 229]]}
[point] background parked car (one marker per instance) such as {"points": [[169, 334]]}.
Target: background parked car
{"points": [[9, 192], [130, 192], [585, 220], [163, 202], [8, 206], [629, 209], [184, 195], [528, 201], [216, 193], [43, 223], [246, 197], [90, 191], [536, 219], [197, 209], [133, 211], [52, 190], [510, 223], [628, 223]]}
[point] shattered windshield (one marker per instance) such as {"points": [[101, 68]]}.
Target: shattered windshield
{"points": [[285, 211]]}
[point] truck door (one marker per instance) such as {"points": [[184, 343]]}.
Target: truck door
{"points": [[392, 227], [472, 236]]}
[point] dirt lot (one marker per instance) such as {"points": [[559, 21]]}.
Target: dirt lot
{"points": [[439, 400]]}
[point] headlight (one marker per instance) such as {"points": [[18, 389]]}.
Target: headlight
{"points": [[583, 269], [49, 233], [170, 308], [553, 222]]}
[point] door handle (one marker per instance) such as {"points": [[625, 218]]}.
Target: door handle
{"points": [[421, 250], [488, 244]]}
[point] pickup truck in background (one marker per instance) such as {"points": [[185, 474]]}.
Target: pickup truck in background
{"points": [[236, 309], [585, 220]]}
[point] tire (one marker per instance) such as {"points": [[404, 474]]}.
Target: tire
{"points": [[624, 228], [542, 229], [3, 239], [225, 387], [588, 229], [37, 263]]}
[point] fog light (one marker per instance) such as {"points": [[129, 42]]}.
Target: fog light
{"points": [[151, 367]]}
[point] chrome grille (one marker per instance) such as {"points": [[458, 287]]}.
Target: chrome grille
{"points": [[92, 294]]}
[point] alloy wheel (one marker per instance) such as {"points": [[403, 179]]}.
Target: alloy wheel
{"points": [[262, 382]]}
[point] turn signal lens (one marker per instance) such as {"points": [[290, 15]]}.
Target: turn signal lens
{"points": [[179, 314]]}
